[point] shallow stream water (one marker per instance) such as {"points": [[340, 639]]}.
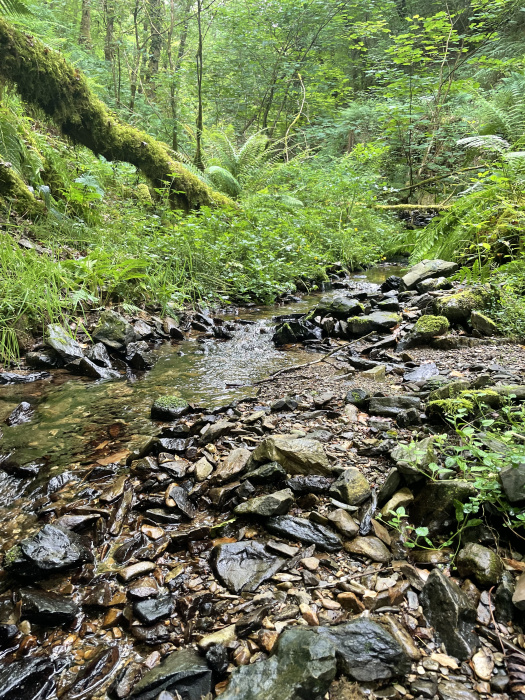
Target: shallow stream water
{"points": [[74, 416]]}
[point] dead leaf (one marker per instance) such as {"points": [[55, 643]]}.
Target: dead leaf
{"points": [[483, 664], [445, 660]]}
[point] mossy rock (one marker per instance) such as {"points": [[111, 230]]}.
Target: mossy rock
{"points": [[458, 307], [169, 408], [143, 195], [465, 401], [429, 326]]}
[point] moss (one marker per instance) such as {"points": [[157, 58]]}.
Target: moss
{"points": [[450, 407], [12, 187], [143, 195], [46, 80], [459, 306], [430, 326], [12, 555], [170, 402]]}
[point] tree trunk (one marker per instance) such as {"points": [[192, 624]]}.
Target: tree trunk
{"points": [[155, 44], [46, 80], [109, 39], [175, 69], [198, 58], [84, 36]]}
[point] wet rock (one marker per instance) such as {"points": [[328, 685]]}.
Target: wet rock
{"points": [[513, 482], [480, 562], [428, 269], [47, 609], [302, 666], [358, 397], [344, 522], [309, 484], [21, 414], [339, 307], [183, 672], [277, 503], [63, 343], [351, 487], [451, 613], [483, 324], [423, 688], [135, 570], [217, 659], [422, 373], [114, 331], [391, 406], [233, 465], [391, 283], [172, 329], [87, 368], [44, 359], [203, 469], [13, 378], [243, 566], [433, 285], [365, 651], [216, 431], [304, 531], [51, 550], [169, 408], [28, 679], [452, 690], [381, 321], [153, 610], [270, 473], [518, 597], [177, 497], [94, 675], [138, 356], [99, 355], [434, 507], [296, 331], [370, 547], [222, 637], [296, 455]]}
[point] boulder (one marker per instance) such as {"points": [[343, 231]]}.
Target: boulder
{"points": [[380, 321], [391, 406], [99, 355], [59, 340], [183, 673], [296, 455], [243, 566], [339, 307], [459, 306], [139, 356], [305, 531], [169, 408], [481, 563], [47, 609], [428, 269], [351, 487], [434, 507], [296, 331], [448, 609], [114, 331], [51, 550], [513, 482], [434, 285], [483, 324], [302, 666], [87, 368], [365, 651], [277, 503]]}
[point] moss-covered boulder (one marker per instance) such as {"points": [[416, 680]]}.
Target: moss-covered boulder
{"points": [[480, 563], [483, 324], [114, 331], [169, 408], [380, 321], [465, 402], [426, 328], [458, 307], [435, 505]]}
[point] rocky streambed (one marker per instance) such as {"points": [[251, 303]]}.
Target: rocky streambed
{"points": [[254, 549]]}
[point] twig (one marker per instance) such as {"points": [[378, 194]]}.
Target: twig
{"points": [[305, 364]]}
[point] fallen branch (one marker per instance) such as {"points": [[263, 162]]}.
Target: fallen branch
{"points": [[285, 370]]}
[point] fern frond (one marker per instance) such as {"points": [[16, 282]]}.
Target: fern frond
{"points": [[15, 8], [10, 145], [487, 142], [223, 180]]}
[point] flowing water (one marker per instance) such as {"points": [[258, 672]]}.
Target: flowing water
{"points": [[74, 416]]}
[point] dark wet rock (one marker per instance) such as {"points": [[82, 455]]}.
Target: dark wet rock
{"points": [[358, 397], [7, 633], [176, 496], [216, 430], [503, 599], [270, 473], [296, 455], [142, 330], [21, 414], [428, 269], [381, 321], [424, 688], [47, 609], [391, 283], [94, 674], [302, 666], [296, 331], [366, 651], [13, 378], [305, 531], [422, 373], [28, 679], [184, 673], [217, 659], [114, 331], [51, 550], [44, 359], [389, 305], [243, 566], [87, 368], [99, 355], [339, 307], [277, 503], [139, 356], [286, 404], [434, 507], [309, 484], [169, 408], [172, 329], [513, 482], [135, 570], [351, 487], [153, 610], [63, 343], [480, 562], [450, 612]]}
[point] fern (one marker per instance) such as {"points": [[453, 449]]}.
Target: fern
{"points": [[10, 145], [487, 142], [223, 180], [15, 8]]}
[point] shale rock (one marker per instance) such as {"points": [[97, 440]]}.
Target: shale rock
{"points": [[480, 562], [351, 487], [296, 331], [428, 269], [243, 566], [114, 331], [304, 531], [277, 503], [183, 672], [296, 455], [370, 547], [63, 343], [28, 679], [47, 609]]}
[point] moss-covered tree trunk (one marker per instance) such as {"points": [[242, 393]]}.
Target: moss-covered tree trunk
{"points": [[46, 80]]}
